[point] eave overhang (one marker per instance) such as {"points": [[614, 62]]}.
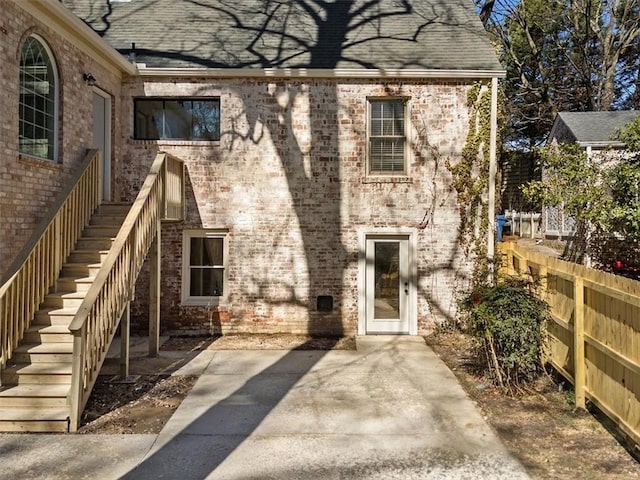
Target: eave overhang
{"points": [[145, 71], [56, 15]]}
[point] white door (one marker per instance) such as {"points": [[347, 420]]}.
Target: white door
{"points": [[102, 137], [387, 287]]}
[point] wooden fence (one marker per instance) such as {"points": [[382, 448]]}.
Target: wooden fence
{"points": [[594, 338]]}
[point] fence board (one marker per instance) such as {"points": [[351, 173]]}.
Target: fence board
{"points": [[594, 333]]}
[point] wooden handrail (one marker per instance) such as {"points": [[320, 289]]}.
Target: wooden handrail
{"points": [[37, 267], [93, 327]]}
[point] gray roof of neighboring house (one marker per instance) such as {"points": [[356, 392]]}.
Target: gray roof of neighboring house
{"points": [[298, 34], [594, 129]]}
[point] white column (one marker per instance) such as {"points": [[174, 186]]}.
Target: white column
{"points": [[491, 207]]}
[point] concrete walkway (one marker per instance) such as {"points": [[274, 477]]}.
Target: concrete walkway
{"points": [[389, 410]]}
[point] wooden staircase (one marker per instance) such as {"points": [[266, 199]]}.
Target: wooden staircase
{"points": [[36, 383]]}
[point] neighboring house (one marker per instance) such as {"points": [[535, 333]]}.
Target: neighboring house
{"points": [[593, 131], [314, 136]]}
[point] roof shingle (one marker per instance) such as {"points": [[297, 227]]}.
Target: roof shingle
{"points": [[590, 128], [298, 34]]}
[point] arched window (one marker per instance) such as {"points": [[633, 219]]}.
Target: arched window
{"points": [[38, 100]]}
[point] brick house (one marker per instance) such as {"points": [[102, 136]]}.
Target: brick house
{"points": [[296, 152], [314, 139]]}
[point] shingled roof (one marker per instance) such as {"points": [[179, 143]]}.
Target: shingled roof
{"points": [[360, 35], [595, 129]]}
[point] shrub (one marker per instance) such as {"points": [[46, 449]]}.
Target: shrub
{"points": [[508, 320]]}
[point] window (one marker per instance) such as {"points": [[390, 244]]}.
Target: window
{"points": [[38, 100], [386, 137], [177, 119], [204, 272]]}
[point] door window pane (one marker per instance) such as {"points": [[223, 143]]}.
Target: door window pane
{"points": [[387, 278]]}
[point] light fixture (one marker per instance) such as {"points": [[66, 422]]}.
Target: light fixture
{"points": [[89, 78]]}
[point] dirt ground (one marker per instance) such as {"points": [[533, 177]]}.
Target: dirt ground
{"points": [[542, 429], [550, 437], [144, 401]]}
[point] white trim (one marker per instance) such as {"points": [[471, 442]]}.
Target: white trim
{"points": [[187, 234], [491, 201], [363, 235], [603, 145], [55, 15], [377, 73]]}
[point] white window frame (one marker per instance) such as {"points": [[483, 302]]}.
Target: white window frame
{"points": [[56, 98], [405, 137], [187, 235]]}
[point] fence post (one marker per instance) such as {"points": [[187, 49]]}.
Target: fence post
{"points": [[579, 373], [544, 284]]}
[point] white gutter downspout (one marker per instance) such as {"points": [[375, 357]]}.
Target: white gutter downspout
{"points": [[491, 207]]}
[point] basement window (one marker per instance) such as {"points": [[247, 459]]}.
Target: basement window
{"points": [[177, 119], [204, 256]]}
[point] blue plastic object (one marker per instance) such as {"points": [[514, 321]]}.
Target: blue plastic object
{"points": [[500, 221]]}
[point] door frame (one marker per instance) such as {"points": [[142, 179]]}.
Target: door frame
{"points": [[411, 234], [106, 155]]}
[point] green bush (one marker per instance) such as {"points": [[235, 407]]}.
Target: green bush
{"points": [[508, 320]]}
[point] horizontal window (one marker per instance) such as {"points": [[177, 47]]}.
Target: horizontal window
{"points": [[177, 119]]}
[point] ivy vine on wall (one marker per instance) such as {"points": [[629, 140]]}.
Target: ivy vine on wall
{"points": [[470, 179]]}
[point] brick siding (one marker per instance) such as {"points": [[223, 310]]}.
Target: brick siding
{"points": [[288, 181], [28, 186]]}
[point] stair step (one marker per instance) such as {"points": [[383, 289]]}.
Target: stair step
{"points": [[87, 269], [88, 256], [107, 220], [34, 396], [104, 231], [36, 419], [36, 373], [113, 209], [42, 357], [47, 334], [54, 316], [61, 347], [50, 353], [64, 299], [94, 243], [72, 283]]}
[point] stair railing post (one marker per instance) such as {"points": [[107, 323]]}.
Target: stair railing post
{"points": [[132, 262], [154, 292], [3, 327], [57, 248], [77, 375], [125, 323]]}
